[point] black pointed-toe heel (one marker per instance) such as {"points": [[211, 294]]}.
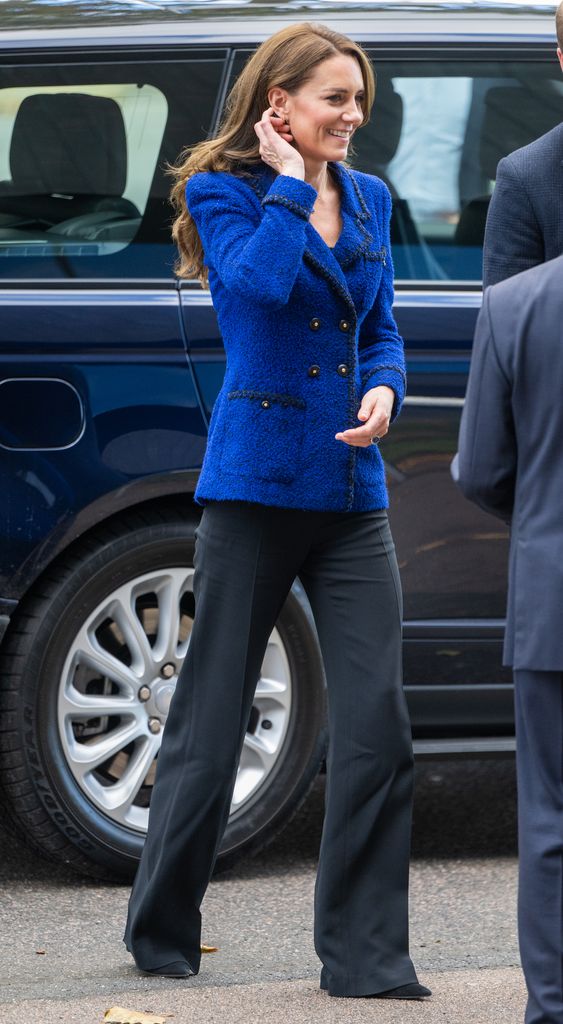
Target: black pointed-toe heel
{"points": [[412, 991], [176, 969]]}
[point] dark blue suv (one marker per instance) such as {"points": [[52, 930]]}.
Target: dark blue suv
{"points": [[109, 368]]}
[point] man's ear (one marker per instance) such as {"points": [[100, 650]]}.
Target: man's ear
{"points": [[560, 55]]}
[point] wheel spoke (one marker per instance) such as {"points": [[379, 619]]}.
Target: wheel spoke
{"points": [[271, 689], [255, 762], [169, 593], [260, 749], [272, 701], [88, 652], [87, 756], [80, 705], [119, 797], [123, 611]]}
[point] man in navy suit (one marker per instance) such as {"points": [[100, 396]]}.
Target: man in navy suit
{"points": [[510, 462], [525, 218]]}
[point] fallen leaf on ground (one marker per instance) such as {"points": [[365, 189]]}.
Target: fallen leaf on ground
{"points": [[121, 1015], [209, 949]]}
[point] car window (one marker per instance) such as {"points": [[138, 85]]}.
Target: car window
{"points": [[437, 132], [83, 153]]}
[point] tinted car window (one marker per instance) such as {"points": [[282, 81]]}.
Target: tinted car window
{"points": [[437, 132], [83, 149]]}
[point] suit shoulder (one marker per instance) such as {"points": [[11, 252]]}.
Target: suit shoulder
{"points": [[524, 315], [527, 286], [537, 154]]}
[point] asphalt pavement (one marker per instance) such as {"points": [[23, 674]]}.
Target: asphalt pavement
{"points": [[62, 959]]}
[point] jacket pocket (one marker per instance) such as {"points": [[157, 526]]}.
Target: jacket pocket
{"points": [[263, 435]]}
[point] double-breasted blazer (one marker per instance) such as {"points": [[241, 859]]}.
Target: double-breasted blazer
{"points": [[307, 329]]}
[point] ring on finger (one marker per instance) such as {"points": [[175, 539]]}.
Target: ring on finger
{"points": [[375, 440]]}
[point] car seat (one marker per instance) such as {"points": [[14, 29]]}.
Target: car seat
{"points": [[68, 162]]}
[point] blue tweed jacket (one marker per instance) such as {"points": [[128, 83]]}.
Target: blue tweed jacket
{"points": [[525, 219], [307, 329]]}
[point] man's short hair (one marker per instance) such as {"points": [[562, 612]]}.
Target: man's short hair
{"points": [[559, 25]]}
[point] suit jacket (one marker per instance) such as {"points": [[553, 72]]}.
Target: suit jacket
{"points": [[510, 459], [525, 218], [307, 330]]}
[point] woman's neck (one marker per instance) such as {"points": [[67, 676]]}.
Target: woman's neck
{"points": [[318, 176]]}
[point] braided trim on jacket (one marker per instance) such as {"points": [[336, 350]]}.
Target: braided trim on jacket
{"points": [[352, 410], [378, 369], [364, 249], [333, 281], [255, 186], [302, 211], [365, 214], [269, 396], [381, 254]]}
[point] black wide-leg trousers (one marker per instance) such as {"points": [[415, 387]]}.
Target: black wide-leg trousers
{"points": [[539, 764], [246, 559]]}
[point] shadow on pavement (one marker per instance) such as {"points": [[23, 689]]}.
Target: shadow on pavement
{"points": [[463, 809]]}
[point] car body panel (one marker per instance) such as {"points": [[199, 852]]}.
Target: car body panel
{"points": [[145, 358], [121, 350]]}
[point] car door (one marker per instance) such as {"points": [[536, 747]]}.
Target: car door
{"points": [[97, 393]]}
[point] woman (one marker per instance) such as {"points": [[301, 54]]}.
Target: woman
{"points": [[297, 251]]}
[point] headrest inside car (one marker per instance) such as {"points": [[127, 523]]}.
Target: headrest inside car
{"points": [[72, 143], [514, 117], [383, 133]]}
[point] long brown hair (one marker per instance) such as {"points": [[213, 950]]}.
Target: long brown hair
{"points": [[287, 59]]}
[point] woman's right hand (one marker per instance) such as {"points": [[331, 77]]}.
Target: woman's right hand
{"points": [[274, 149]]}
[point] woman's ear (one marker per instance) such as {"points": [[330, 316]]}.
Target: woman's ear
{"points": [[277, 98]]}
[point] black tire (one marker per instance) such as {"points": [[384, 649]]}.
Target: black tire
{"points": [[41, 795]]}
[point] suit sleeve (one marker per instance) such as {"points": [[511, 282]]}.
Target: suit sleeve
{"points": [[381, 350], [485, 466], [513, 238], [243, 247]]}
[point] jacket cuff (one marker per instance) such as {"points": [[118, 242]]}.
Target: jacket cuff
{"points": [[392, 377], [296, 195]]}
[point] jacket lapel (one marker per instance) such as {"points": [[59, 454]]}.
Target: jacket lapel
{"points": [[355, 240], [360, 234], [321, 258]]}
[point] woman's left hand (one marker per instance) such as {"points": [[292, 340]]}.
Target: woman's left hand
{"points": [[375, 414]]}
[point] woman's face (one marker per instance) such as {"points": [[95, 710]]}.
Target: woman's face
{"points": [[326, 110]]}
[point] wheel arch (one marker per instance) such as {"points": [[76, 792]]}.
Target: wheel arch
{"points": [[164, 497]]}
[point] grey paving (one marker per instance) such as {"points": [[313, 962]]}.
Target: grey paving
{"points": [[463, 899], [459, 997]]}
